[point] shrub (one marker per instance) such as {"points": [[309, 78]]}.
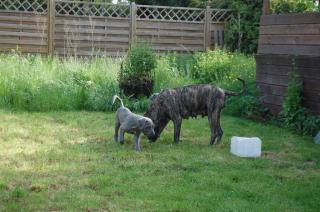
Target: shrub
{"points": [[293, 6], [247, 105], [212, 66], [222, 67], [169, 74], [139, 64], [293, 115], [136, 74]]}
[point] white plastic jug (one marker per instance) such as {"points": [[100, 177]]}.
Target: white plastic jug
{"points": [[246, 147]]}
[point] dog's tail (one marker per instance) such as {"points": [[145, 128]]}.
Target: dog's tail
{"points": [[232, 93], [117, 97]]}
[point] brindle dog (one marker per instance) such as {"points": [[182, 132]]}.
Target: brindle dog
{"points": [[189, 101]]}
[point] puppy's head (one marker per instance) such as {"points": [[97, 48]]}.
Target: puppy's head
{"points": [[146, 126]]}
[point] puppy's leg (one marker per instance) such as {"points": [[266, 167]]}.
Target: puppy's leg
{"points": [[116, 130], [137, 141], [121, 136]]}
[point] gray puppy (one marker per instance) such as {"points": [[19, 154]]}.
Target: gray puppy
{"points": [[131, 123]]}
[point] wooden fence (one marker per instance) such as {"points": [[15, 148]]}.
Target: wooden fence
{"points": [[75, 28], [289, 41]]}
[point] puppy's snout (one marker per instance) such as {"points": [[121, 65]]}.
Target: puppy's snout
{"points": [[153, 134]]}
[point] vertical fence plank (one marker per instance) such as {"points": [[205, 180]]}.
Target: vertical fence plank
{"points": [[266, 7], [50, 21], [207, 30], [133, 24]]}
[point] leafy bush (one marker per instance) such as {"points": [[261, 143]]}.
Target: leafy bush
{"points": [[293, 6], [247, 105], [212, 66], [170, 74], [222, 67], [293, 115], [138, 65]]}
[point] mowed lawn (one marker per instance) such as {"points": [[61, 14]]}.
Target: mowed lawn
{"points": [[68, 161]]}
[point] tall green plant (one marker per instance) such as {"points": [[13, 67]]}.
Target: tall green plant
{"points": [[294, 6], [138, 65], [293, 115]]}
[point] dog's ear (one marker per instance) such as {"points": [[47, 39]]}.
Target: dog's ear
{"points": [[153, 97]]}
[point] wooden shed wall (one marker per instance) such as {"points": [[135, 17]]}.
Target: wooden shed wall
{"points": [[286, 40]]}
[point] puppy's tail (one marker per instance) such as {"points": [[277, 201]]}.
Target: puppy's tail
{"points": [[117, 97], [232, 93]]}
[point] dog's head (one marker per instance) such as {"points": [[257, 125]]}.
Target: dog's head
{"points": [[146, 126]]}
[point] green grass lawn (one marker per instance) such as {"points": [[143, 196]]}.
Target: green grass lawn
{"points": [[68, 161]]}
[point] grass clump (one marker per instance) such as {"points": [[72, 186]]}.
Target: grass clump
{"points": [[35, 83]]}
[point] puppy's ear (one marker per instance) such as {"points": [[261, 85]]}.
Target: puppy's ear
{"points": [[142, 124]]}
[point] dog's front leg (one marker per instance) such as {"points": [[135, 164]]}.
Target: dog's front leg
{"points": [[137, 141], [121, 136], [214, 126], [177, 127]]}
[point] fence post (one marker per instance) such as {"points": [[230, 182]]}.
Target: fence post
{"points": [[50, 22], [266, 7], [133, 12], [207, 29]]}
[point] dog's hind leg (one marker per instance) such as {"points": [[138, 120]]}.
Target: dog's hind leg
{"points": [[116, 130], [121, 136], [137, 141], [213, 121]]}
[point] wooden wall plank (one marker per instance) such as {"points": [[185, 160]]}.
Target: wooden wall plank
{"points": [[287, 60], [92, 22], [305, 29], [170, 40], [96, 38], [169, 33], [145, 24], [282, 70], [309, 84], [36, 42], [278, 90], [288, 19], [312, 50], [290, 39]]}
